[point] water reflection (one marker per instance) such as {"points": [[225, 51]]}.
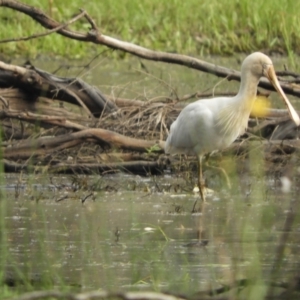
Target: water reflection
{"points": [[133, 240]]}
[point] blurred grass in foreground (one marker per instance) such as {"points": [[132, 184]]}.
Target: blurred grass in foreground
{"points": [[73, 246]]}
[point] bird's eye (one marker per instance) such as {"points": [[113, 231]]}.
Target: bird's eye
{"points": [[264, 67]]}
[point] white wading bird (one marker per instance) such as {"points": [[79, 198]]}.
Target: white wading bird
{"points": [[213, 124]]}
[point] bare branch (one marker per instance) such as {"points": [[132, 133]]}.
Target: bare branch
{"points": [[43, 145], [38, 118], [96, 37], [38, 35]]}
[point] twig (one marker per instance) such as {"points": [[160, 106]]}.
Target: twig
{"points": [[91, 21], [287, 73], [34, 118], [267, 123], [62, 198], [38, 35], [200, 95], [86, 197]]}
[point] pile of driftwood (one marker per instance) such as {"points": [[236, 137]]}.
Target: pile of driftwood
{"points": [[41, 131]]}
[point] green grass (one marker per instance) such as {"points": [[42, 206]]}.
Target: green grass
{"points": [[191, 27]]}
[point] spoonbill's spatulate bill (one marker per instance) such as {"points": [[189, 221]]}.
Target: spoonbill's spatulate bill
{"points": [[213, 124]]}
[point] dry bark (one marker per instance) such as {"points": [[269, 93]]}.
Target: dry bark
{"points": [[45, 145], [72, 90]]}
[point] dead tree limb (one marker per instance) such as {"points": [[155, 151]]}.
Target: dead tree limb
{"points": [[136, 167], [272, 146], [44, 145], [39, 119], [38, 35], [72, 90]]}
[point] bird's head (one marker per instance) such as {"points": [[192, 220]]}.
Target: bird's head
{"points": [[259, 64]]}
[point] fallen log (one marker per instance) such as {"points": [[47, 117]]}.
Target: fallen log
{"points": [[135, 167], [40, 83], [46, 145], [40, 119]]}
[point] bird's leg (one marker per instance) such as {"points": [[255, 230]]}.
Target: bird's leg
{"points": [[201, 181], [201, 184], [201, 223], [219, 169]]}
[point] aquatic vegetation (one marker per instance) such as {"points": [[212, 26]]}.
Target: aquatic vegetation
{"points": [[208, 27]]}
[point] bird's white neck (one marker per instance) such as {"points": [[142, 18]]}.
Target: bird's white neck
{"points": [[232, 119], [248, 90]]}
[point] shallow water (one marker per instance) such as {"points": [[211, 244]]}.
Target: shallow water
{"points": [[131, 233], [142, 239]]}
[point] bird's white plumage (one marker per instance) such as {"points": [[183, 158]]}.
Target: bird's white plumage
{"points": [[212, 124], [198, 129]]}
